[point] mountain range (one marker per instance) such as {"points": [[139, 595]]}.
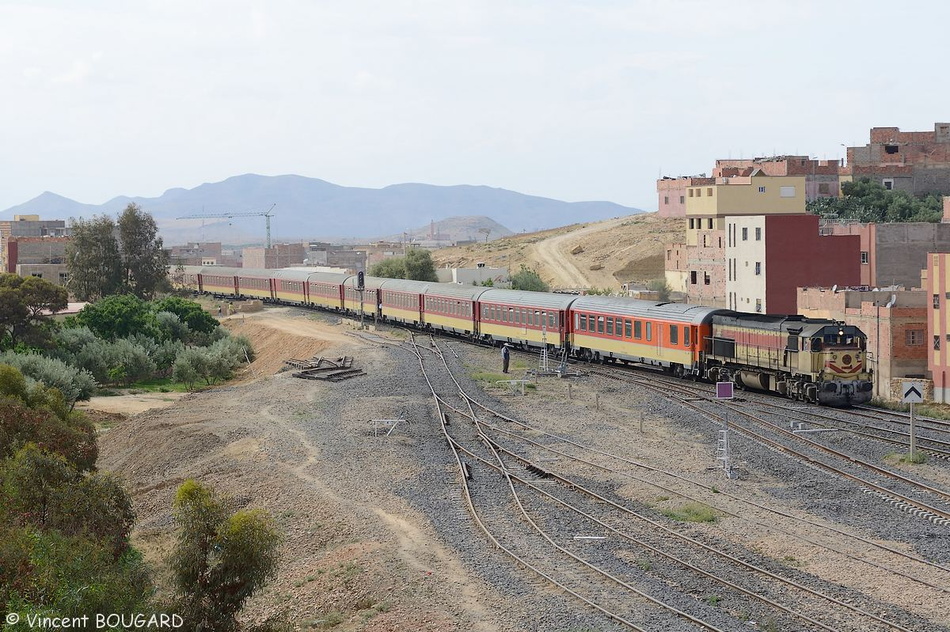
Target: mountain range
{"points": [[309, 208]]}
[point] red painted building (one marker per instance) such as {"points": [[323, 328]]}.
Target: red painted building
{"points": [[768, 257]]}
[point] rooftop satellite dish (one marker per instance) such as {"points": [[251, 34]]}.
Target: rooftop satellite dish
{"points": [[834, 288], [891, 302]]}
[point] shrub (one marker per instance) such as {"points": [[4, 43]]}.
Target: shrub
{"points": [[220, 560], [75, 384]]}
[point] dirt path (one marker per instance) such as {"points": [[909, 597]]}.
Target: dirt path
{"points": [[551, 253]]}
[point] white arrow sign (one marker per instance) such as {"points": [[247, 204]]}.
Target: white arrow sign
{"points": [[912, 392]]}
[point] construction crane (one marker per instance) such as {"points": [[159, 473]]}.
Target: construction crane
{"points": [[265, 214]]}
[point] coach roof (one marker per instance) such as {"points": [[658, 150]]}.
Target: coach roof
{"points": [[524, 298], [653, 310]]}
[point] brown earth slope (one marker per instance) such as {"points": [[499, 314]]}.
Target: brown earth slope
{"points": [[596, 255]]}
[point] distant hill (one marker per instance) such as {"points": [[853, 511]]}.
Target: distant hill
{"points": [[308, 208]]}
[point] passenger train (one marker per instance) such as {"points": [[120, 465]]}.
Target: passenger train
{"points": [[808, 359]]}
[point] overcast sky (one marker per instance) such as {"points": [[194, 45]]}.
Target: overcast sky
{"points": [[563, 99]]}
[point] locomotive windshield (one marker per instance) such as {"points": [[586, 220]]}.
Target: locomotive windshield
{"points": [[838, 337]]}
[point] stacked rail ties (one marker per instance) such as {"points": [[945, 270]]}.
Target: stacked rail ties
{"points": [[320, 368]]}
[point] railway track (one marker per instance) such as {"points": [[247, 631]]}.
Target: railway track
{"points": [[600, 571]]}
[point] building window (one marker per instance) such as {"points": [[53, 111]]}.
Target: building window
{"points": [[758, 268], [823, 187], [758, 233], [936, 301], [914, 337], [692, 223], [705, 278], [745, 234], [682, 199], [888, 184], [709, 192], [666, 199], [692, 277], [709, 223], [864, 257], [38, 275], [761, 189], [891, 149], [690, 193], [936, 343]]}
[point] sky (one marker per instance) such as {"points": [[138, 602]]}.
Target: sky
{"points": [[563, 99]]}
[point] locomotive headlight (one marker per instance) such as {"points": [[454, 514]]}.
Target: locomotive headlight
{"points": [[846, 359]]}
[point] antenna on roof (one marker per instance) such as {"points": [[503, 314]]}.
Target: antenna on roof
{"points": [[834, 288]]}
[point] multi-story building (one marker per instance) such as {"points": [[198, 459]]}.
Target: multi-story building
{"points": [[769, 256], [197, 254], [43, 257], [278, 256], [895, 323], [821, 176], [702, 269], [935, 280], [671, 193], [915, 162], [27, 226], [894, 254]]}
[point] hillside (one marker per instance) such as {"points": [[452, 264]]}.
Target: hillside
{"points": [[605, 254]]}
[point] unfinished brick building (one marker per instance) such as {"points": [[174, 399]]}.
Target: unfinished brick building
{"points": [[915, 162]]}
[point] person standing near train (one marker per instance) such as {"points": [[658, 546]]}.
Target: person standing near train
{"points": [[505, 357]]}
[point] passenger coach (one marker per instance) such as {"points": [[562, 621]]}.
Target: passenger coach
{"points": [[527, 319], [670, 335]]}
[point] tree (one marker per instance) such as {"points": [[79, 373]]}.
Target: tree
{"points": [[391, 268], [144, 261], [220, 560], [93, 260], [118, 316], [528, 279], [419, 266], [866, 201], [189, 312], [661, 287]]}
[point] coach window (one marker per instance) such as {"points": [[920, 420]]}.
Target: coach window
{"points": [[600, 324], [627, 329], [686, 336], [610, 326], [581, 322], [552, 321], [649, 330], [674, 335], [637, 329]]}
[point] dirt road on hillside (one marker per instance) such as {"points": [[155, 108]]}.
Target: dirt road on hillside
{"points": [[553, 256]]}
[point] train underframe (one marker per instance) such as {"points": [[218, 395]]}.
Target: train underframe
{"points": [[800, 387]]}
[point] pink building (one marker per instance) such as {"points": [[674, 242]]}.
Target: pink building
{"points": [[671, 194]]}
